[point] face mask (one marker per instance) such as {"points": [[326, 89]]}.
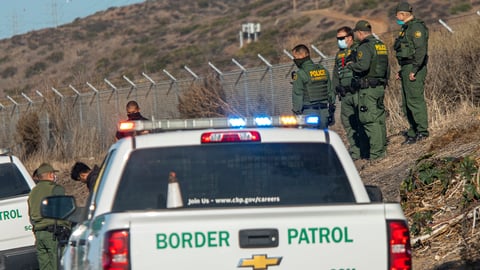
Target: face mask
{"points": [[400, 22], [299, 62], [134, 116], [342, 44]]}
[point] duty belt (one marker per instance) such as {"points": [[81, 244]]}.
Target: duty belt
{"points": [[405, 62], [50, 228], [318, 106]]}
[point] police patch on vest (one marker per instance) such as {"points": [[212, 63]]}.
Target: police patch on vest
{"points": [[418, 34], [381, 49], [294, 75], [318, 74]]}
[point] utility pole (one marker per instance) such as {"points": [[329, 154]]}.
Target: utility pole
{"points": [[54, 13]]}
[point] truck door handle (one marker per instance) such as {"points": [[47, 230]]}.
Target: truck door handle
{"points": [[258, 238]]}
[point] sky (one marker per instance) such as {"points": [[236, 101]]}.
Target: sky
{"points": [[21, 16]]}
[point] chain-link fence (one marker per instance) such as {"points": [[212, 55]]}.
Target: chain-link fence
{"points": [[260, 90]]}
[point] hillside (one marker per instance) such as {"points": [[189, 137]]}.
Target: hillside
{"points": [[167, 34]]}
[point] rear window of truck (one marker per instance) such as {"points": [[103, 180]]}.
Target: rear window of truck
{"points": [[234, 175], [12, 181]]}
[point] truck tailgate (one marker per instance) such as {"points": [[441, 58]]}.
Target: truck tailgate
{"points": [[312, 237]]}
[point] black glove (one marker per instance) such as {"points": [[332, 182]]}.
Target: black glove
{"points": [[331, 114], [341, 91]]}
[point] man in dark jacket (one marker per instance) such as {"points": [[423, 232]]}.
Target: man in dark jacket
{"points": [[81, 172], [133, 113]]}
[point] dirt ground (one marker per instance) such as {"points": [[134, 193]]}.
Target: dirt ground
{"points": [[457, 246]]}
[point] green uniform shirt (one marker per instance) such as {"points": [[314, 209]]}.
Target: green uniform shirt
{"points": [[371, 59], [311, 85], [43, 189], [411, 45], [342, 75]]}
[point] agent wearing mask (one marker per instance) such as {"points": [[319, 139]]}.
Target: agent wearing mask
{"points": [[411, 48], [312, 92], [348, 96]]}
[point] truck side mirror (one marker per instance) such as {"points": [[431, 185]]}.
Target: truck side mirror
{"points": [[57, 207]]}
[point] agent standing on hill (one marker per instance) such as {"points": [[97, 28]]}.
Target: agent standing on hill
{"points": [[312, 92], [133, 113], [411, 48], [370, 75], [342, 83], [48, 232]]}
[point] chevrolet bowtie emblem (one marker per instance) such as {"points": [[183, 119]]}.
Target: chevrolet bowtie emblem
{"points": [[259, 262]]}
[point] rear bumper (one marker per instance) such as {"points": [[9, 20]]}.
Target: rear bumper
{"points": [[24, 258]]}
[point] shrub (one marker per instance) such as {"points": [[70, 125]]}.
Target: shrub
{"points": [[459, 8], [9, 72], [55, 57], [28, 134], [36, 69]]}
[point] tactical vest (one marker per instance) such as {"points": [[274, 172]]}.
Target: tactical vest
{"points": [[345, 75], [317, 84], [404, 47], [379, 64]]}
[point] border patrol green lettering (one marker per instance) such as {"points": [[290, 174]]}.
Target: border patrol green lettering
{"points": [[212, 239], [303, 237], [199, 239], [161, 241], [174, 240], [324, 233], [223, 237], [337, 235], [312, 234], [292, 233], [177, 240], [10, 214], [318, 235], [187, 239]]}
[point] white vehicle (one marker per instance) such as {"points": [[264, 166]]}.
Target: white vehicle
{"points": [[255, 193], [17, 242]]}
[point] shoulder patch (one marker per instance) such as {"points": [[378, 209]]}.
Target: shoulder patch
{"points": [[417, 34], [359, 55], [294, 75]]}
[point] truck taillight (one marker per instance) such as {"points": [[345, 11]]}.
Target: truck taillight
{"points": [[116, 255], [400, 252]]}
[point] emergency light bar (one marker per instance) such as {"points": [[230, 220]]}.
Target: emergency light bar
{"points": [[298, 121]]}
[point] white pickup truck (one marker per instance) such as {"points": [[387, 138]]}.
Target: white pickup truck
{"points": [[244, 193], [17, 250]]}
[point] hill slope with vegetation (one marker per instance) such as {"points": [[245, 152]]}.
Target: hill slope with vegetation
{"points": [[168, 34]]}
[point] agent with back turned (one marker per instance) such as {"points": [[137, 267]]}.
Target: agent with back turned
{"points": [[50, 234], [370, 76], [411, 47], [312, 92]]}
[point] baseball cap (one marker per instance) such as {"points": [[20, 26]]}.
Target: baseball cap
{"points": [[404, 6], [77, 169], [362, 25], [45, 168]]}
